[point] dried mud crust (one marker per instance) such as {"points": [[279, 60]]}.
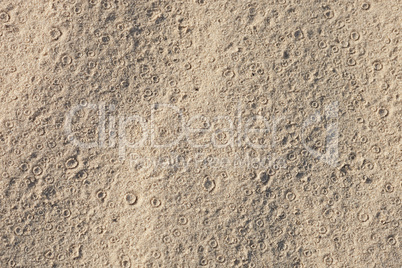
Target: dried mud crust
{"points": [[99, 170]]}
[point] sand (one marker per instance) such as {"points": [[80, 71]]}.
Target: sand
{"points": [[200, 133]]}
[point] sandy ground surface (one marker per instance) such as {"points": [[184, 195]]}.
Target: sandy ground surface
{"points": [[200, 133]]}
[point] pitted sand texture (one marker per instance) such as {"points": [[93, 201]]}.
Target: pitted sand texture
{"points": [[200, 133]]}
